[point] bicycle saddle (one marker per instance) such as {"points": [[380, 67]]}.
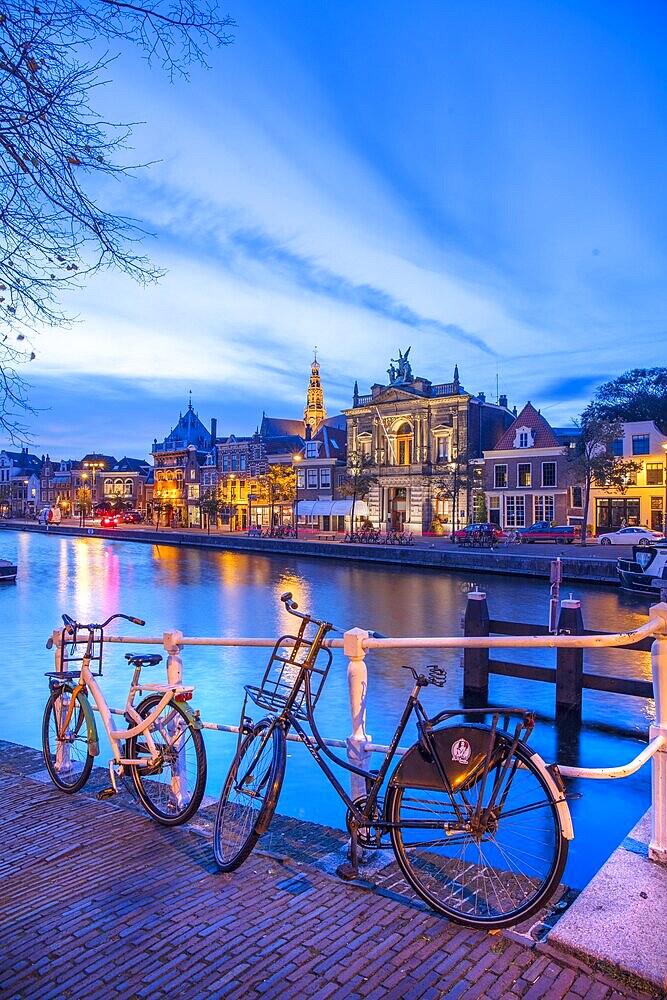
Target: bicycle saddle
{"points": [[144, 659]]}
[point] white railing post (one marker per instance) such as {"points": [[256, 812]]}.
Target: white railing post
{"points": [[357, 684], [657, 848], [172, 642]]}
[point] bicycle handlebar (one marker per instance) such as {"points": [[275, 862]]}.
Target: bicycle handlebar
{"points": [[71, 624]]}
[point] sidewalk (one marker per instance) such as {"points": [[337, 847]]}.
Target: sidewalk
{"points": [[98, 901]]}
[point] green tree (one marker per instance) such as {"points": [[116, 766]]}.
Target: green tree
{"points": [[458, 480], [84, 501], [358, 479], [640, 394], [276, 486], [592, 460], [57, 152]]}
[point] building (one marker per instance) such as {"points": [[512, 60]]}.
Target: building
{"points": [[645, 499], [320, 472], [526, 475], [19, 483], [178, 461], [124, 484], [412, 434]]}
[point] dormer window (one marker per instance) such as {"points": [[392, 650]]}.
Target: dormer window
{"points": [[524, 437], [312, 448]]}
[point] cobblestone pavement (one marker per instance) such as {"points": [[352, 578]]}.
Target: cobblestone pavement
{"points": [[100, 902]]}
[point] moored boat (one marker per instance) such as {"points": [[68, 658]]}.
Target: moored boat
{"points": [[646, 572], [7, 571]]}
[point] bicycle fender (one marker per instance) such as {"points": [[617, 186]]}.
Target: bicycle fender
{"points": [[192, 716], [561, 805], [461, 751]]}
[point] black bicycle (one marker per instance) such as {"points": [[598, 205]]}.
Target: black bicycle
{"points": [[478, 823]]}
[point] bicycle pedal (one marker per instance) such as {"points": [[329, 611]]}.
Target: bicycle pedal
{"points": [[106, 793], [347, 872]]}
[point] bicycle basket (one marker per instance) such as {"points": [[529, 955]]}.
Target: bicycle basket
{"points": [[73, 647], [294, 658]]}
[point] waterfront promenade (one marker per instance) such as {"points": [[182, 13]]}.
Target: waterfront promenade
{"points": [[99, 902], [592, 563]]}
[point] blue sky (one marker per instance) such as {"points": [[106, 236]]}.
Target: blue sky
{"points": [[482, 182]]}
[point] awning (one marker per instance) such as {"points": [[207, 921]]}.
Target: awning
{"points": [[331, 508]]}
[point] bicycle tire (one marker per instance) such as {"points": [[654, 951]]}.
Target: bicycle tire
{"points": [[172, 789], [490, 881], [247, 804], [69, 760]]}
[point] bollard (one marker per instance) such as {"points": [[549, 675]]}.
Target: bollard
{"points": [[476, 661], [357, 684], [569, 664], [657, 848]]}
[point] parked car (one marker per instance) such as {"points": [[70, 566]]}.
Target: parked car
{"points": [[461, 535], [111, 520], [542, 531], [133, 517], [633, 535], [50, 515]]}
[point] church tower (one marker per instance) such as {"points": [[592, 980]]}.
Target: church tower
{"points": [[314, 413]]}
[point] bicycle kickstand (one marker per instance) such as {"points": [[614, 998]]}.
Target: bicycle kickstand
{"points": [[349, 870], [107, 793]]}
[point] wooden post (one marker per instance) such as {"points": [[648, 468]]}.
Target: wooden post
{"points": [[569, 664], [476, 661]]}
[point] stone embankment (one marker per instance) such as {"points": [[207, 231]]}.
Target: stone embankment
{"points": [[586, 565]]}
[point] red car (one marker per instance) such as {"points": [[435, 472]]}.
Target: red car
{"points": [[110, 520]]}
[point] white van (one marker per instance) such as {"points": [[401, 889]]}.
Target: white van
{"points": [[49, 515]]}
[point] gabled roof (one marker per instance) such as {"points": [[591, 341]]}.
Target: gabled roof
{"points": [[273, 427], [23, 460], [188, 431], [334, 441], [108, 460], [131, 465], [543, 435]]}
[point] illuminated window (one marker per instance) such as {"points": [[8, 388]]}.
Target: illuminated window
{"points": [[500, 477], [404, 445], [523, 474]]}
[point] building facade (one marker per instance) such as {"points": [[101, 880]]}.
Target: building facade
{"points": [[178, 461], [411, 433], [645, 499]]}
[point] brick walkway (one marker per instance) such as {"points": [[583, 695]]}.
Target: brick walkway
{"points": [[99, 902]]}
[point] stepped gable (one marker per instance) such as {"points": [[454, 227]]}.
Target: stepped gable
{"points": [[543, 435], [188, 431]]}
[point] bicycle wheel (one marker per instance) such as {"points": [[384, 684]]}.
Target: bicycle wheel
{"points": [[491, 877], [66, 752], [171, 789], [249, 795]]}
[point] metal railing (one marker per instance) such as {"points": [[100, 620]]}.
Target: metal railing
{"points": [[356, 642]]}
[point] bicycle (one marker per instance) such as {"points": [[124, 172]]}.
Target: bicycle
{"points": [[478, 823], [162, 748]]}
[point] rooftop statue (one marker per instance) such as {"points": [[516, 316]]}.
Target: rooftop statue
{"points": [[403, 371]]}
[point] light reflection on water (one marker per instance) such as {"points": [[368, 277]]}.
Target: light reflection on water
{"points": [[210, 593]]}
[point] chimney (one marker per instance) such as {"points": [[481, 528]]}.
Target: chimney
{"points": [[482, 397], [502, 401], [214, 430]]}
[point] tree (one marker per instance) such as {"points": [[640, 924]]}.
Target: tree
{"points": [[84, 500], [640, 394], [358, 480], [277, 485], [55, 150], [458, 478], [592, 461]]}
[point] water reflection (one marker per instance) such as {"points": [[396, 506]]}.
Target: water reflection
{"points": [[209, 593]]}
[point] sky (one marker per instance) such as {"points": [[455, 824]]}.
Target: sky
{"points": [[481, 182]]}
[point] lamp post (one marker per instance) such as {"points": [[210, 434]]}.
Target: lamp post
{"points": [[93, 466], [296, 459], [664, 506], [82, 502]]}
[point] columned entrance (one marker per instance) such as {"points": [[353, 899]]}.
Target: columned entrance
{"points": [[397, 507]]}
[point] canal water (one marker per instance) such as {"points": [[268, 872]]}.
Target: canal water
{"points": [[213, 593]]}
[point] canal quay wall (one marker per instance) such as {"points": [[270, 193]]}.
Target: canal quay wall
{"points": [[428, 552]]}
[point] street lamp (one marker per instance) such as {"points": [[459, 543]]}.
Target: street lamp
{"points": [[296, 459], [664, 508], [93, 466]]}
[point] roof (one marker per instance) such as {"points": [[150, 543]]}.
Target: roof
{"points": [[274, 427], [188, 431], [131, 465], [543, 435]]}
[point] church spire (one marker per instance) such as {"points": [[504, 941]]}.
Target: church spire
{"points": [[314, 413]]}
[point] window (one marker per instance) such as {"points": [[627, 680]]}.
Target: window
{"points": [[300, 478], [577, 496], [311, 480], [499, 477], [654, 472], [404, 445], [193, 473], [544, 508], [340, 479], [523, 439], [494, 510], [442, 449], [225, 463], [548, 475], [325, 479], [523, 474], [311, 449], [515, 511], [242, 462], [617, 447], [234, 463], [641, 444]]}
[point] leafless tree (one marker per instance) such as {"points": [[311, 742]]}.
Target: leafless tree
{"points": [[55, 149]]}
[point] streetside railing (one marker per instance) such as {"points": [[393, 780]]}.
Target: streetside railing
{"points": [[356, 642]]}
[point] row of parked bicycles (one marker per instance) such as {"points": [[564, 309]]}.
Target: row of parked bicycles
{"points": [[470, 816], [369, 536]]}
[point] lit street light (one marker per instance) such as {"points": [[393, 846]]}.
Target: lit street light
{"points": [[296, 459]]}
